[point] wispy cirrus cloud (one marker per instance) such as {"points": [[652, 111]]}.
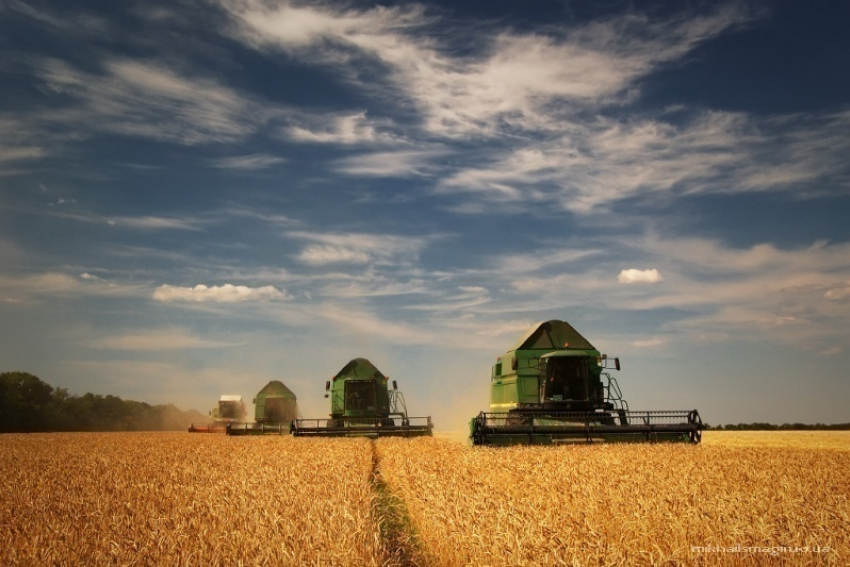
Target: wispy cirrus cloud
{"points": [[143, 222], [75, 22], [147, 99], [159, 340], [509, 83], [609, 160], [358, 321], [357, 248], [533, 261], [54, 284], [545, 94], [155, 223], [373, 285], [248, 162], [787, 294], [457, 300], [404, 163], [19, 146]]}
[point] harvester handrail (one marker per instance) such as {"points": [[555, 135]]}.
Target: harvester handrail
{"points": [[397, 403], [614, 394]]}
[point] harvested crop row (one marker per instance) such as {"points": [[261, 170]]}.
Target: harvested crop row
{"points": [[179, 499], [621, 505]]}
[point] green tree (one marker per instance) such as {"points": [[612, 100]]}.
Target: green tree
{"points": [[25, 402]]}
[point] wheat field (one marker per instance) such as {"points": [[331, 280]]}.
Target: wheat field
{"points": [[183, 499], [836, 440], [622, 505]]}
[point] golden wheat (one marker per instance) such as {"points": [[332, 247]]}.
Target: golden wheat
{"points": [[834, 440], [622, 505], [181, 499]]}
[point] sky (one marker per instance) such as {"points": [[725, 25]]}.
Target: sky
{"points": [[200, 196]]}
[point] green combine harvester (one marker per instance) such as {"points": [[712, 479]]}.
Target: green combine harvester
{"points": [[230, 409], [554, 386], [275, 407], [362, 404]]}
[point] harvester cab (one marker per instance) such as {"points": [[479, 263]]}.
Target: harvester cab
{"points": [[362, 403], [231, 409], [553, 385]]}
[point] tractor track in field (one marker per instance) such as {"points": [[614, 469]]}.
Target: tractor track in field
{"points": [[402, 547]]}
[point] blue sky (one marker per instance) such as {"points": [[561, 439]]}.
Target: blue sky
{"points": [[197, 197]]}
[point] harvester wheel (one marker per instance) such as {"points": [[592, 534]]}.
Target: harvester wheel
{"points": [[696, 433]]}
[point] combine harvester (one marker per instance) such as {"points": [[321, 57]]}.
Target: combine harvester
{"points": [[231, 409], [554, 386], [275, 407], [362, 404]]}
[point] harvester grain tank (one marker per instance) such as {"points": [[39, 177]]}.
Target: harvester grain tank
{"points": [[275, 407], [230, 409], [554, 386], [362, 403]]}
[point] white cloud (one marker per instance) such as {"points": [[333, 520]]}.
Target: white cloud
{"points": [[328, 254], [347, 129], [406, 163], [631, 275], [249, 162], [150, 222], [227, 293], [838, 293], [359, 248], [648, 343]]}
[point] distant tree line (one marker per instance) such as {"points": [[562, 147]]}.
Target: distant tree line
{"points": [[758, 426], [28, 404]]}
